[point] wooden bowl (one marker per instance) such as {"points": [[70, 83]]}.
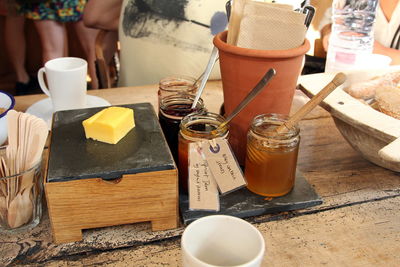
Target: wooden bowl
{"points": [[365, 129]]}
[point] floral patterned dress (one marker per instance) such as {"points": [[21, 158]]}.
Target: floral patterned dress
{"points": [[58, 10]]}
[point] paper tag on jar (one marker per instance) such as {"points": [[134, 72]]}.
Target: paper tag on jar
{"points": [[223, 165], [203, 192]]}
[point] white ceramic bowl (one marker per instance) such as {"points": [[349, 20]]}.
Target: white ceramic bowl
{"points": [[367, 130], [7, 102], [222, 240]]}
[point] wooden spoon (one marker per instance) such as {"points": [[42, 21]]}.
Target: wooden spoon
{"points": [[13, 215], [26, 205], [338, 80], [20, 209], [256, 156], [35, 143]]}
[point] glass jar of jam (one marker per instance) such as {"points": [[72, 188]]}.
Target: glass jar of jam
{"points": [[172, 110], [271, 158], [178, 84], [196, 127]]}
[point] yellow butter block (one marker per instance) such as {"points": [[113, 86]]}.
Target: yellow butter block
{"points": [[110, 124]]}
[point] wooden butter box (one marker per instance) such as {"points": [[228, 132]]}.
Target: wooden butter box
{"points": [[90, 184]]}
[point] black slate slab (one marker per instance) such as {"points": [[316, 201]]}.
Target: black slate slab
{"points": [[243, 203], [74, 157]]}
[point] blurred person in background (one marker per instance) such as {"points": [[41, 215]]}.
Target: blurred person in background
{"points": [[160, 38], [49, 17], [104, 15], [386, 29], [14, 32]]}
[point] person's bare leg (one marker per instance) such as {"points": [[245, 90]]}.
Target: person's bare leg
{"points": [[87, 38], [110, 47], [52, 38], [15, 45]]}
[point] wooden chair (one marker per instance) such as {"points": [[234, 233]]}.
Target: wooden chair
{"points": [[315, 63], [319, 50], [107, 69]]}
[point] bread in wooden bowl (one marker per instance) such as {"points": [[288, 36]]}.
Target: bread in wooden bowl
{"points": [[365, 128], [388, 100], [366, 89]]}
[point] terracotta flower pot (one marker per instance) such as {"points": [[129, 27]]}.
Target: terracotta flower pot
{"points": [[241, 69]]}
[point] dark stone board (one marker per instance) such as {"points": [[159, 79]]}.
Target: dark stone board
{"points": [[244, 203], [73, 157]]}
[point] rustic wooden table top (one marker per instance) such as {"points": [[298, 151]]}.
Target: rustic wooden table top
{"points": [[357, 225]]}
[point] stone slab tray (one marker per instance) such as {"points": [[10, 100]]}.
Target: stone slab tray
{"points": [[243, 203], [73, 157]]}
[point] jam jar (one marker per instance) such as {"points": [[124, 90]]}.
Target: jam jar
{"points": [[193, 128], [172, 110], [271, 158], [177, 84]]}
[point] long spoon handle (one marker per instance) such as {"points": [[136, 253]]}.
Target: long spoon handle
{"points": [[256, 90], [211, 62], [338, 80]]}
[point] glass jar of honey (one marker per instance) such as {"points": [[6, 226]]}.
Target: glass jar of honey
{"points": [[172, 110], [271, 158], [196, 127], [178, 84]]}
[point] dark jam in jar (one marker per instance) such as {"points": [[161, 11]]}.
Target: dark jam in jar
{"points": [[172, 110]]}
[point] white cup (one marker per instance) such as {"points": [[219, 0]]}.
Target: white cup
{"points": [[66, 78], [220, 240]]}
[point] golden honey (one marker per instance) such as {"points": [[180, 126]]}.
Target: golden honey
{"points": [[271, 158]]}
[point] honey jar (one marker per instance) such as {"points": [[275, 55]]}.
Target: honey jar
{"points": [[271, 158], [196, 127]]}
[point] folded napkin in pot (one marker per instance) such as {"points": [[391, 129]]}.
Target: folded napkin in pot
{"points": [[271, 27]]}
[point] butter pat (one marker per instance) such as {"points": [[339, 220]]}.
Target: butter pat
{"points": [[109, 125]]}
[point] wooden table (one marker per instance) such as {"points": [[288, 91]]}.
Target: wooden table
{"points": [[357, 225]]}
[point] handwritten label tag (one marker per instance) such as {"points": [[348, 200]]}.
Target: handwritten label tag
{"points": [[223, 165], [203, 192]]}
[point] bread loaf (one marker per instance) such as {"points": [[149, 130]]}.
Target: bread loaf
{"points": [[367, 89], [388, 100]]}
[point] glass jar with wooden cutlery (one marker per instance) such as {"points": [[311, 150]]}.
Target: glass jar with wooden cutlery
{"points": [[20, 197], [21, 183]]}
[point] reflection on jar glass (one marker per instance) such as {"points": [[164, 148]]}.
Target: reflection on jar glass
{"points": [[271, 158], [172, 110], [196, 127], [178, 84]]}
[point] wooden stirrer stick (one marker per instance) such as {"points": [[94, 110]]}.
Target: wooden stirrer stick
{"points": [[338, 80]]}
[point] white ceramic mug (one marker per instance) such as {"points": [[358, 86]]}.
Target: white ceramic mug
{"points": [[220, 240], [66, 78]]}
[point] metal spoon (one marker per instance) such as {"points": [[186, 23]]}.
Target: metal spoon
{"points": [[211, 62], [255, 91], [210, 65], [309, 11]]}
